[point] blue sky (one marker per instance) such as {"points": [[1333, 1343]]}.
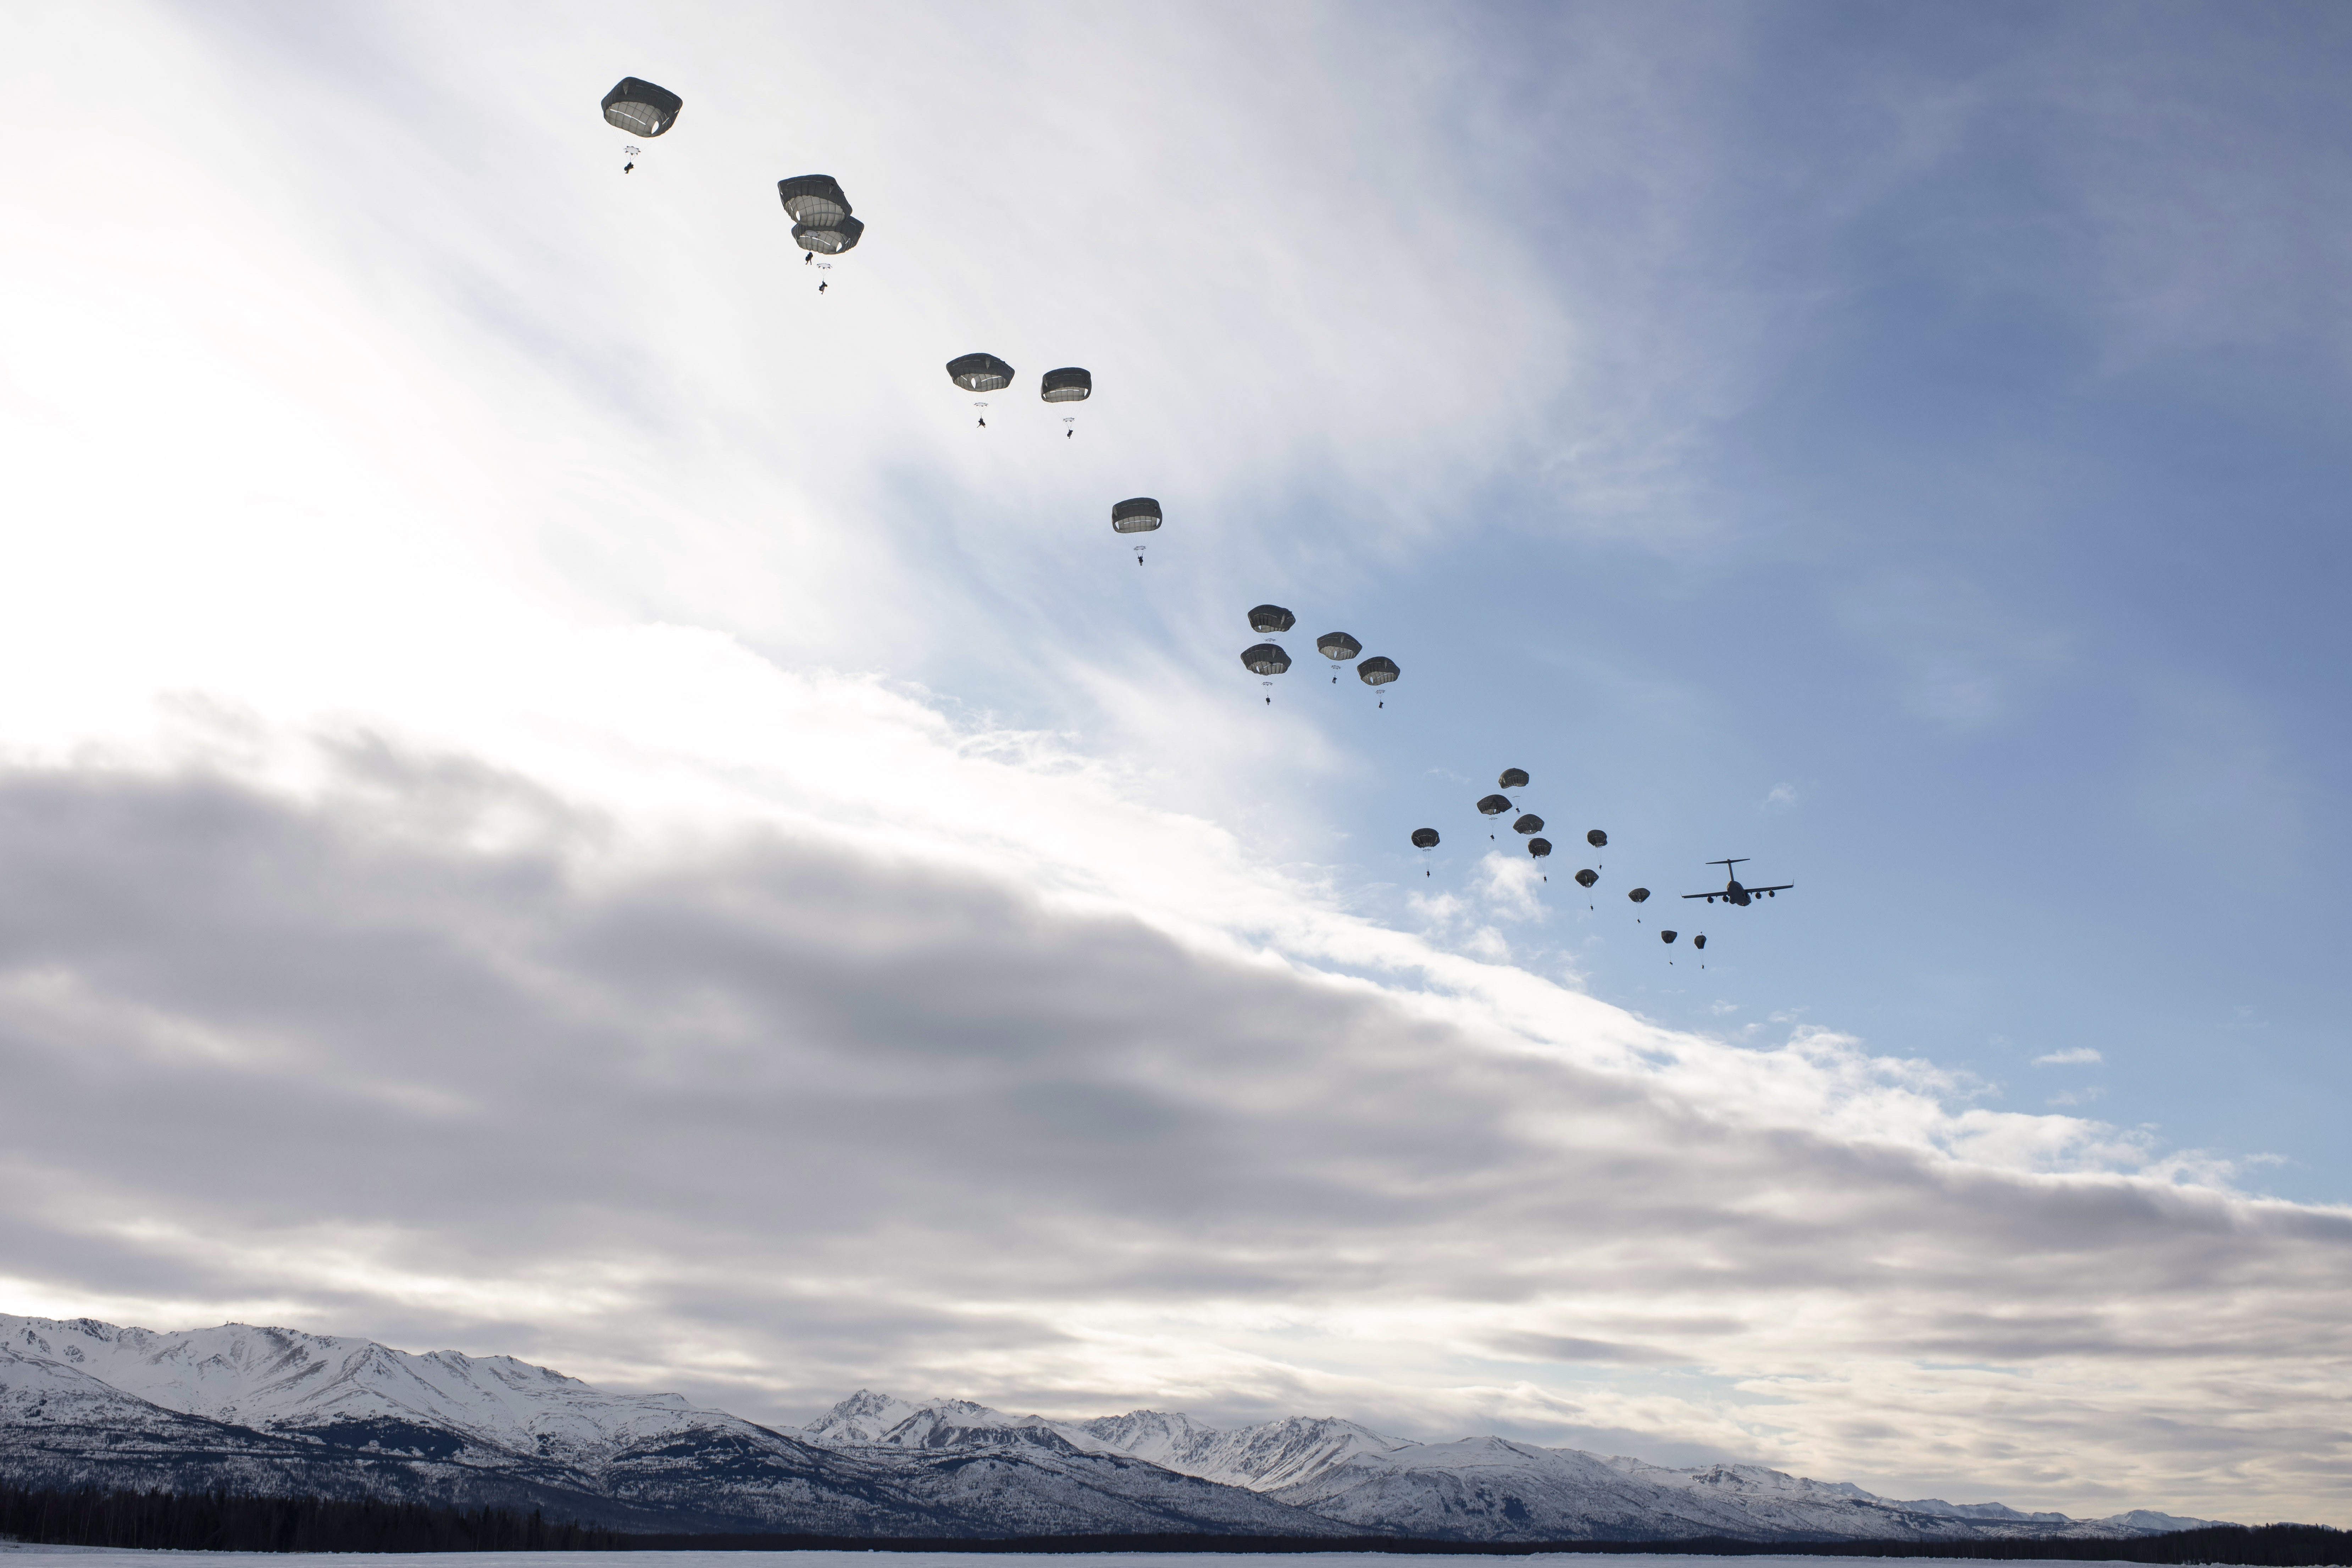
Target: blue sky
{"points": [[1963, 475], [485, 634]]}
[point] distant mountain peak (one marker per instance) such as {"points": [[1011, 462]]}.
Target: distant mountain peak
{"points": [[244, 1407]]}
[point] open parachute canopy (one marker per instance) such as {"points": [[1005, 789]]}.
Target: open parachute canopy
{"points": [[1667, 935], [1539, 847], [640, 107], [1493, 806], [1138, 516], [1271, 618], [1699, 940], [842, 237], [980, 373], [1639, 894], [816, 200], [1530, 823], [1377, 670], [1266, 659], [1338, 646], [1596, 839], [1068, 384], [1425, 838], [820, 213], [1587, 877], [1512, 779]]}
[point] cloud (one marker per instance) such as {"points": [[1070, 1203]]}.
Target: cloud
{"points": [[1781, 797], [767, 1108], [2076, 1056]]}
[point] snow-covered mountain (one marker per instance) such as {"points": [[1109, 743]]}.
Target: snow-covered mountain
{"points": [[1477, 1489], [353, 1391], [271, 1410], [274, 1410]]}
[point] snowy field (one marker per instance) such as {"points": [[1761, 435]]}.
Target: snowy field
{"points": [[90, 1556]]}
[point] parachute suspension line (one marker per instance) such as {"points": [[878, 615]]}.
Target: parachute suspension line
{"points": [[632, 160]]}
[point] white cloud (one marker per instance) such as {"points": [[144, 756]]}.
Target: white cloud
{"points": [[1779, 796], [452, 1058], [2073, 1057]]}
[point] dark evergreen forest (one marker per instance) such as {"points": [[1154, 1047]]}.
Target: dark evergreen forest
{"points": [[220, 1521]]}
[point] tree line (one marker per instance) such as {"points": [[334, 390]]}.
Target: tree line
{"points": [[227, 1521]]}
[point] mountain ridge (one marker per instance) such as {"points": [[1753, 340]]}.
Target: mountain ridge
{"points": [[243, 1407]]}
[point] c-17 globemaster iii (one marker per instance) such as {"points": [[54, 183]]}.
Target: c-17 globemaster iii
{"points": [[1733, 893]]}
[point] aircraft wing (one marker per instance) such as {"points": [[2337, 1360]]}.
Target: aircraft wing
{"points": [[1776, 887], [1702, 896]]}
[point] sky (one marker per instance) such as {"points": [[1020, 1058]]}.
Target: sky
{"points": [[558, 797]]}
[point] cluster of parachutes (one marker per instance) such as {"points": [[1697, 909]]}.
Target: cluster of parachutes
{"points": [[1267, 660], [1530, 827], [1527, 825], [826, 227], [987, 373], [821, 223]]}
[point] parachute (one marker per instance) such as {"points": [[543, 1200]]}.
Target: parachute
{"points": [[1512, 779], [820, 212], [1493, 806], [815, 200], [1530, 823], [1425, 838], [842, 235], [1138, 516], [1069, 385], [1268, 618], [1266, 659], [1587, 877], [1699, 940], [1539, 847], [1596, 839], [980, 373], [1667, 935], [640, 107], [1338, 647], [1377, 673], [1638, 894]]}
